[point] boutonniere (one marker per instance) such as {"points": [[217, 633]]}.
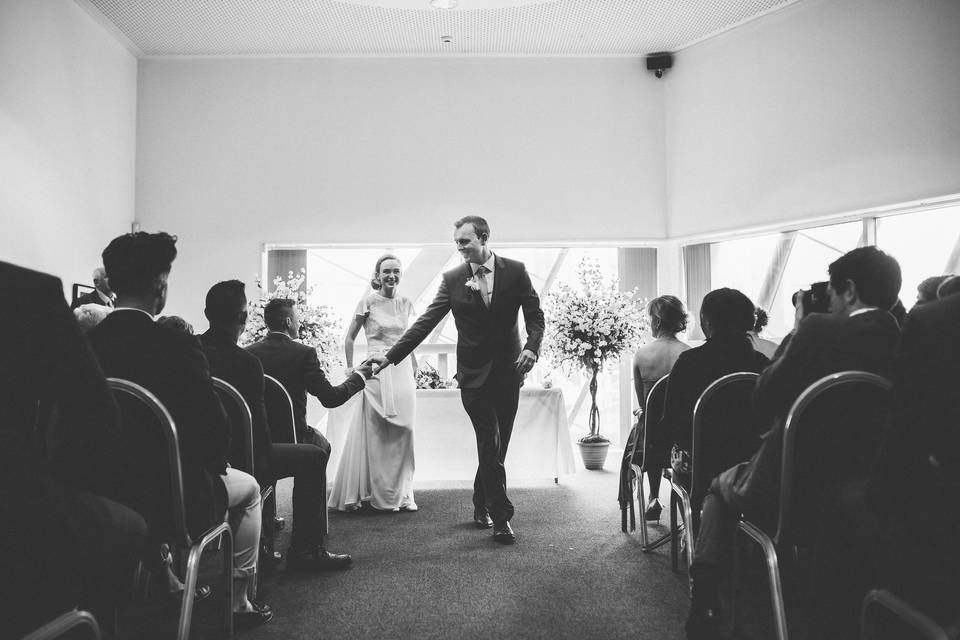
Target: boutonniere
{"points": [[472, 285]]}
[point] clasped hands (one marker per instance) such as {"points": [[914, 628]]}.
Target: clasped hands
{"points": [[377, 363]]}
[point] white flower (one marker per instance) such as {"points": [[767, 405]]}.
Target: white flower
{"points": [[472, 285]]}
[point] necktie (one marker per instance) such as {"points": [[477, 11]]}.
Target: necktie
{"points": [[482, 283]]}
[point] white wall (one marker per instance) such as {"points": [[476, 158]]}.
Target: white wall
{"points": [[67, 137], [825, 107], [234, 153]]}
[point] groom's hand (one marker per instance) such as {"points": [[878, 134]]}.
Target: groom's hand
{"points": [[526, 361], [379, 363]]}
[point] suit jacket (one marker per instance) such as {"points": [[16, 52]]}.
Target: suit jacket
{"points": [[171, 365], [244, 371], [487, 337], [694, 371], [297, 368], [90, 297], [47, 361], [823, 344]]}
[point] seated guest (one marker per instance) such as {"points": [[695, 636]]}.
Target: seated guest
{"points": [[651, 362], [949, 287], [927, 289], [898, 311], [764, 346], [726, 315], [101, 294], [297, 368], [857, 334], [130, 345], [65, 543], [914, 490], [226, 309]]}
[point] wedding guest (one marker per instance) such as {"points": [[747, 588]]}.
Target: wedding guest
{"points": [[927, 289], [90, 315], [898, 311], [101, 294], [225, 308], [726, 315], [917, 473], [377, 462], [857, 334], [170, 364], [651, 362], [65, 540], [949, 287], [764, 346], [297, 368]]}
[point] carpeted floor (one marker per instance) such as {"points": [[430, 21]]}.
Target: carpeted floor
{"points": [[432, 574]]}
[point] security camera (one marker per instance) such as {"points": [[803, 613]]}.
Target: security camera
{"points": [[659, 62]]}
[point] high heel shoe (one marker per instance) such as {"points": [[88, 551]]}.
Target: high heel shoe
{"points": [[653, 511]]}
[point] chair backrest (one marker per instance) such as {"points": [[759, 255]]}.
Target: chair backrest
{"points": [[724, 430], [142, 411], [652, 413], [241, 425], [68, 622], [832, 434], [276, 399]]}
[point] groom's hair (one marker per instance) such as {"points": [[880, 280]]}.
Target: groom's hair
{"points": [[480, 226], [276, 311]]}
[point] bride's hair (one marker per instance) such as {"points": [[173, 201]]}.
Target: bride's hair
{"points": [[375, 282]]}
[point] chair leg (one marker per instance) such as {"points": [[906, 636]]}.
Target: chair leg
{"points": [[773, 575], [228, 577], [642, 500], [674, 532], [189, 591]]}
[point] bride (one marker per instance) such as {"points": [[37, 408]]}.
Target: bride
{"points": [[377, 461]]}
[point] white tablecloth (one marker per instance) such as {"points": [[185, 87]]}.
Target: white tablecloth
{"points": [[446, 447]]}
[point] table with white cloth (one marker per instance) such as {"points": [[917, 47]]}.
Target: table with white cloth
{"points": [[446, 447]]}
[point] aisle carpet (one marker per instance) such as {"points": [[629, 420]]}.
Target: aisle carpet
{"points": [[432, 574]]}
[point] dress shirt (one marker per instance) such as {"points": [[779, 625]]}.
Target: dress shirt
{"points": [[107, 300], [133, 309], [863, 310], [488, 276]]}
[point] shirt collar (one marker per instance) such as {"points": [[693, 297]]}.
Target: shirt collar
{"points": [[107, 299], [488, 264], [862, 310], [133, 309], [279, 333]]}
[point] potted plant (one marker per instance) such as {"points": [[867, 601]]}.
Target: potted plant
{"points": [[588, 326]]}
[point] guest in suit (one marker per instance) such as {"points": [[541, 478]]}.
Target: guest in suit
{"points": [[170, 364], [914, 490], [65, 541], [226, 309], [726, 315], [101, 294], [927, 289], [651, 362], [858, 334], [485, 294], [297, 368]]}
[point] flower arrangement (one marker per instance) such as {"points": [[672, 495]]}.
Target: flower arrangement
{"points": [[319, 327], [589, 325], [429, 378]]}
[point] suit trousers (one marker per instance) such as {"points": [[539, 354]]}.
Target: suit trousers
{"points": [[492, 409], [307, 464]]}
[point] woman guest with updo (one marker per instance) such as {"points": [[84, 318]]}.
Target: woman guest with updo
{"points": [[764, 346], [651, 362]]}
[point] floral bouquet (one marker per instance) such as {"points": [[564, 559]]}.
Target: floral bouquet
{"points": [[319, 327], [590, 325], [429, 378]]}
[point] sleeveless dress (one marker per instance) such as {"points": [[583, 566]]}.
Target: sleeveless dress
{"points": [[377, 462]]}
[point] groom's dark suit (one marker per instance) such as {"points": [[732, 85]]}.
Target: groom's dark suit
{"points": [[488, 344]]}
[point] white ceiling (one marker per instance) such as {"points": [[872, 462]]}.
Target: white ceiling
{"points": [[414, 28]]}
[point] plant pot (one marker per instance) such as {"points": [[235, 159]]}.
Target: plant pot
{"points": [[594, 454]]}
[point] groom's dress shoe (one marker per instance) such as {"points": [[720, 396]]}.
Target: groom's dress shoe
{"points": [[503, 533], [482, 520], [318, 559]]}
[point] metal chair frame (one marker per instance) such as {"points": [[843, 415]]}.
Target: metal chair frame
{"points": [[278, 386], [181, 534], [229, 392], [782, 541], [679, 493], [64, 623], [909, 615], [645, 545]]}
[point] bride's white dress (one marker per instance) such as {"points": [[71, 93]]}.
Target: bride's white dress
{"points": [[377, 462]]}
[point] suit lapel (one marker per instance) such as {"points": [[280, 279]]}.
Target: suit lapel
{"points": [[498, 278]]}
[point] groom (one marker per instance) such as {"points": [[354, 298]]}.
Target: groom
{"points": [[484, 294]]}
